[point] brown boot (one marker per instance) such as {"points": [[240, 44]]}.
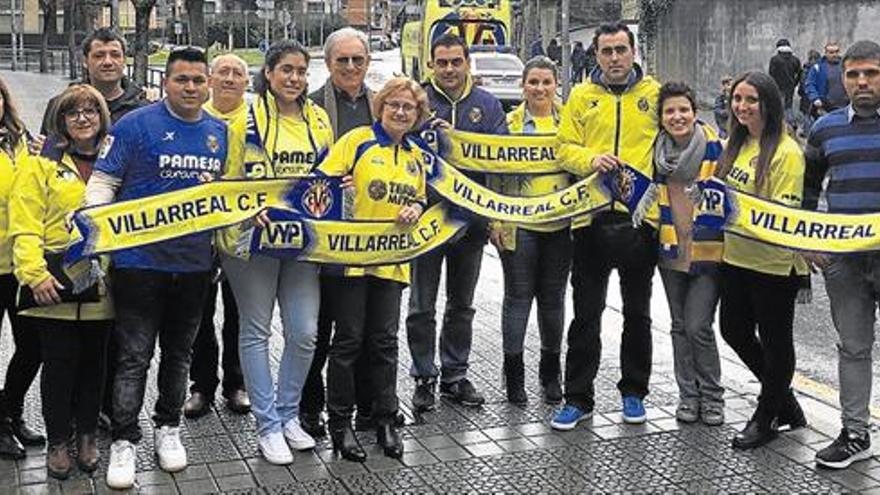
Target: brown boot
{"points": [[87, 452], [58, 462]]}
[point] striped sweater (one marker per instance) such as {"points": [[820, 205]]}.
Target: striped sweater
{"points": [[846, 147]]}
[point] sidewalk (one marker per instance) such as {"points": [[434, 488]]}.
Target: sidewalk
{"points": [[497, 448]]}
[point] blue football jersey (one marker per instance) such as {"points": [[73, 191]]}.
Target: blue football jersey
{"points": [[153, 152]]}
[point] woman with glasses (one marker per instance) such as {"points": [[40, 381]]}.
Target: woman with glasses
{"points": [[73, 328], [25, 362], [535, 258], [287, 134], [383, 170]]}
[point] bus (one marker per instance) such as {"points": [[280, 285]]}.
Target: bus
{"points": [[486, 24]]}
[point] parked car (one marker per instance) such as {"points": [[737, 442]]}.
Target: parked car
{"points": [[499, 74]]}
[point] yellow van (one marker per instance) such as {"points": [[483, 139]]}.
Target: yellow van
{"points": [[480, 23]]}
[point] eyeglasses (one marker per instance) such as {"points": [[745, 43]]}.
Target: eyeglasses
{"points": [[357, 61], [396, 106], [75, 114], [443, 63]]}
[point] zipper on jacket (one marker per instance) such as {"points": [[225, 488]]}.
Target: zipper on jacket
{"points": [[617, 128]]}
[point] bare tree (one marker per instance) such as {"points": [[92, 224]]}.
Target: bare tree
{"points": [[142, 11], [195, 10], [50, 29], [70, 12]]}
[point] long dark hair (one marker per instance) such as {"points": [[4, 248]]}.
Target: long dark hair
{"points": [[772, 114], [11, 121], [274, 55]]}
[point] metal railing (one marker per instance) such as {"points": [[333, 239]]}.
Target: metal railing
{"points": [[57, 59], [154, 78]]}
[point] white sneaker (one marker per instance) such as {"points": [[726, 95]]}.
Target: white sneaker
{"points": [[297, 437], [120, 469], [274, 448], [172, 455]]}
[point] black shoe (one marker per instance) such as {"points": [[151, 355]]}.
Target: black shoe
{"points": [[238, 402], [197, 405], [791, 414], [463, 392], [758, 431], [514, 379], [848, 448], [346, 444], [10, 447], [399, 419], [58, 462], [389, 440], [548, 371], [313, 424], [423, 398], [27, 435]]}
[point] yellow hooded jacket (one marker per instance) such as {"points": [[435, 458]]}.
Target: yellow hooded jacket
{"points": [[8, 165], [597, 121], [44, 193]]}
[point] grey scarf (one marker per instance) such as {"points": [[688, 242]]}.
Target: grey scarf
{"points": [[677, 163]]}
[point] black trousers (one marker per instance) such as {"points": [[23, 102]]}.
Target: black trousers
{"points": [[151, 306], [72, 382], [753, 301], [313, 393], [206, 351], [26, 359], [610, 243], [367, 311]]}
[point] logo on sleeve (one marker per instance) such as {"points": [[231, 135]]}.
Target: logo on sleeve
{"points": [[105, 148], [643, 104]]}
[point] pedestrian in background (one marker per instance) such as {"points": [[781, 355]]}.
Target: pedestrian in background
{"points": [[785, 69], [758, 281], [73, 328], [824, 85], [721, 108]]}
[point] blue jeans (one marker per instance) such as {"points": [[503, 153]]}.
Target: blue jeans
{"points": [[692, 300], [463, 260], [257, 284], [537, 269], [853, 285]]}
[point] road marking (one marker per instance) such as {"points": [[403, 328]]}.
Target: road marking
{"points": [[825, 393]]}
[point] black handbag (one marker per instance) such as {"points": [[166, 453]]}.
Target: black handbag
{"points": [[55, 264]]}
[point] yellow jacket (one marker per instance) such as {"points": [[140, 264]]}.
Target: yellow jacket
{"points": [[597, 121], [239, 112], [255, 138], [8, 165], [387, 177], [44, 193]]}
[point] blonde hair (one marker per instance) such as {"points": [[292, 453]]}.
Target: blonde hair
{"points": [[75, 96], [396, 85]]}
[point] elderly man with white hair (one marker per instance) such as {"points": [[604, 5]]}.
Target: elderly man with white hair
{"points": [[347, 100], [228, 82]]}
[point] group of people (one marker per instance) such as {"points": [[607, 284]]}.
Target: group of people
{"points": [[104, 142]]}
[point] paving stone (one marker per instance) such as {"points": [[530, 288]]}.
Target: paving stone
{"points": [[451, 453], [280, 476], [82, 485], [501, 433], [484, 449], [158, 477], [32, 476], [236, 482], [545, 441], [193, 472], [852, 480], [228, 468], [196, 487], [470, 437], [363, 483], [534, 429], [516, 444], [402, 480], [437, 442], [323, 486], [343, 468], [310, 472], [418, 458]]}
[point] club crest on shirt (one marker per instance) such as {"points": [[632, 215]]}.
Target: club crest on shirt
{"points": [[213, 143], [377, 189], [624, 184], [475, 115], [643, 104], [318, 198], [105, 148]]}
